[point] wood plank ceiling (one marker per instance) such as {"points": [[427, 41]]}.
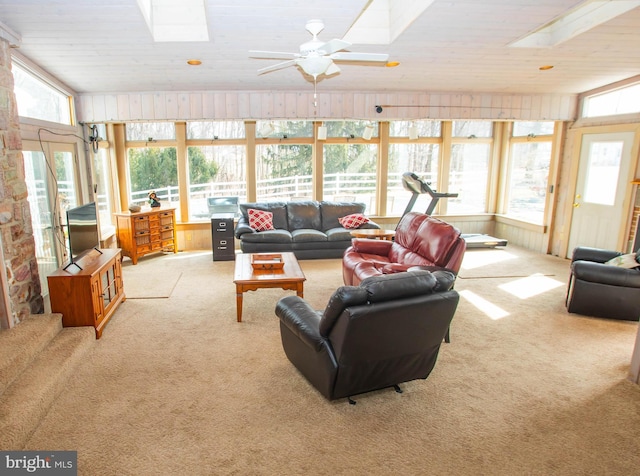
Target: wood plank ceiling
{"points": [[454, 46]]}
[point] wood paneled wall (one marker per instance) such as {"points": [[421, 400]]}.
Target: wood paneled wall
{"points": [[230, 105]]}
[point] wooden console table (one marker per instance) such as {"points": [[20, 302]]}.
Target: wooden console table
{"points": [[88, 292]]}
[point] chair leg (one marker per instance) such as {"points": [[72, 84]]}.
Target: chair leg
{"points": [[447, 336]]}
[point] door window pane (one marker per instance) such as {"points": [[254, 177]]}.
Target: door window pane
{"points": [[215, 171], [602, 174], [420, 159], [154, 169], [350, 173], [468, 178], [284, 172], [528, 178], [41, 215]]}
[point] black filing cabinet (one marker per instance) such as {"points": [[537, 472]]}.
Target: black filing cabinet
{"points": [[222, 237]]}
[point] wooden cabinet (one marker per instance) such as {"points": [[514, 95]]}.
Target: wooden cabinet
{"points": [[145, 232], [88, 292]]}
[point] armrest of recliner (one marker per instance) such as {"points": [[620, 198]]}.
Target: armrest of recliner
{"points": [[605, 274], [301, 319], [375, 247], [597, 255]]}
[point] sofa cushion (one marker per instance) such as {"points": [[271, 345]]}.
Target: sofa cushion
{"points": [[260, 220], [307, 235], [331, 212], [279, 210], [304, 215], [338, 234], [270, 236], [353, 221]]}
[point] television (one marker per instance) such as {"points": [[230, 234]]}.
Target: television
{"points": [[83, 231]]}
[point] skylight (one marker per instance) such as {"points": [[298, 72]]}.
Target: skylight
{"points": [[382, 21], [587, 16], [175, 20]]}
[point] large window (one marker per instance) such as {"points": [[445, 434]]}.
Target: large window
{"points": [[217, 169], [154, 169], [421, 156], [39, 99], [284, 172], [350, 174], [469, 167], [528, 170]]}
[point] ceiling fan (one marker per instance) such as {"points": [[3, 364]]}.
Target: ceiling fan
{"points": [[316, 57]]}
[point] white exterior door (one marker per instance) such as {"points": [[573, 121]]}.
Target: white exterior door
{"points": [[603, 177]]}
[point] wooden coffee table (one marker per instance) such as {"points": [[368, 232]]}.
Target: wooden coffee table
{"points": [[247, 278], [373, 233]]}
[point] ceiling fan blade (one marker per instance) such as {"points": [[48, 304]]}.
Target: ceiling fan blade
{"points": [[349, 56], [275, 67], [332, 69], [272, 54], [333, 46]]}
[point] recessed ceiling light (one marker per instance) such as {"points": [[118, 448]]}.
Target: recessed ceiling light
{"points": [[194, 62], [392, 64], [545, 67]]}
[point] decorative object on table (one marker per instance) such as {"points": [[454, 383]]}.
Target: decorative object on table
{"points": [[263, 261], [153, 200], [135, 208]]}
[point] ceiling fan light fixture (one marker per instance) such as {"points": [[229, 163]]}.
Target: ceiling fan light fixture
{"points": [[314, 65]]}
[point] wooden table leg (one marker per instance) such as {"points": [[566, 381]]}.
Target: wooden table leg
{"points": [[239, 303], [299, 290]]}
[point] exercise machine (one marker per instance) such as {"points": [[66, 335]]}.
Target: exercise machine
{"points": [[418, 186]]}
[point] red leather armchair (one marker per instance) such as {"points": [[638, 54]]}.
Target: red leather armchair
{"points": [[420, 240]]}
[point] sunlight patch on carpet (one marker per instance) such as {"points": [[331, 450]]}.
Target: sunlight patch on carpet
{"points": [[492, 311], [530, 286]]}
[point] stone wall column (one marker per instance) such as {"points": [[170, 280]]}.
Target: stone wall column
{"points": [[15, 216]]}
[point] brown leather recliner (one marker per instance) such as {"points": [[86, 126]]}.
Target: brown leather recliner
{"points": [[384, 332], [420, 240]]}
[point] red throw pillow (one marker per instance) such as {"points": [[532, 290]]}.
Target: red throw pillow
{"points": [[260, 220], [353, 221]]}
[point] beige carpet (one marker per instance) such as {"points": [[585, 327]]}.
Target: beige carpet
{"points": [[177, 386]]}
